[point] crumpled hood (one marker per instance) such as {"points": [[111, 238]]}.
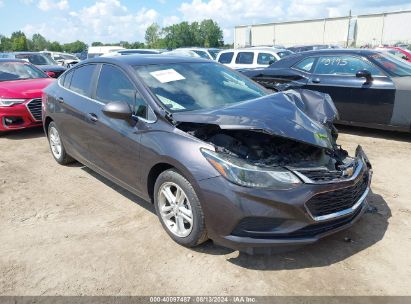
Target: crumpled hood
{"points": [[278, 114]]}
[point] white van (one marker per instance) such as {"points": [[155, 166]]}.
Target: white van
{"points": [[249, 58], [96, 51]]}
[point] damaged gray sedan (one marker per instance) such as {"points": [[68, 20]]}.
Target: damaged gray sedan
{"points": [[218, 155]]}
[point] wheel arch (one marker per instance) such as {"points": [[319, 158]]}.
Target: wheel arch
{"points": [[47, 122]]}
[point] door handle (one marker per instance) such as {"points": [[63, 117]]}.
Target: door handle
{"points": [[93, 117], [60, 99], [316, 80]]}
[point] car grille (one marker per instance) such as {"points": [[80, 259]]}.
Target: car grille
{"points": [[34, 107], [322, 175], [337, 200]]}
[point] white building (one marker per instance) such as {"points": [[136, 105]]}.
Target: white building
{"points": [[373, 29]]}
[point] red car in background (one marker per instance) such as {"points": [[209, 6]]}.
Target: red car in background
{"points": [[399, 52], [21, 86]]}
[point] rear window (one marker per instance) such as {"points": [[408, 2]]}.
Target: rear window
{"points": [[305, 64], [81, 80], [226, 57], [265, 58], [245, 58], [284, 53]]}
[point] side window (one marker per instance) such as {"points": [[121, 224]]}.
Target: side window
{"points": [[81, 80], [67, 79], [226, 57], [265, 58], [245, 58], [114, 85], [344, 65], [305, 65]]}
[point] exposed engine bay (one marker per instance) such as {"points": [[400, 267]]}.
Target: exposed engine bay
{"points": [[267, 150], [301, 137]]}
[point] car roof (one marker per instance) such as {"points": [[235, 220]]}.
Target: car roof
{"points": [[255, 49], [294, 58], [23, 53], [145, 59], [12, 60]]}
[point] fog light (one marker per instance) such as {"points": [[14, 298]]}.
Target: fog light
{"points": [[13, 120]]}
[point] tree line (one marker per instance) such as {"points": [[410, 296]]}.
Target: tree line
{"points": [[206, 33], [19, 42]]}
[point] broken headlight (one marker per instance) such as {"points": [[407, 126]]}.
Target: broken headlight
{"points": [[245, 174]]}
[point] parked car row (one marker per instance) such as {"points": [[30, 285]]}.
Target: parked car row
{"points": [[40, 60]]}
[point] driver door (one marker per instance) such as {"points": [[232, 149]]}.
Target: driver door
{"points": [[116, 142], [356, 100]]}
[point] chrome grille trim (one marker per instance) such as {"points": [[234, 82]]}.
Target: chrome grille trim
{"points": [[34, 108], [307, 180]]}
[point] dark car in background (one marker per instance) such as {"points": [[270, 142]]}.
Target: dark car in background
{"points": [[369, 88], [42, 61], [218, 155]]}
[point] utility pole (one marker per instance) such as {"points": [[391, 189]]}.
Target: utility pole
{"points": [[349, 28]]}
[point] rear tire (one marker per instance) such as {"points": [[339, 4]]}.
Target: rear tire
{"points": [[178, 209], [56, 145]]}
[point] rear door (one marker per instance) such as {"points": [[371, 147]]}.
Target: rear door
{"points": [[356, 100], [226, 58], [265, 59], [244, 60], [72, 104]]}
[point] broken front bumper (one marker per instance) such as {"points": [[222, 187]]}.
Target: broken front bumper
{"points": [[244, 218]]}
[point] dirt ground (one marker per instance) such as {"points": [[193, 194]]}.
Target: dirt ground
{"points": [[69, 231]]}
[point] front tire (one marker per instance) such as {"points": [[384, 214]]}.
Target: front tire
{"points": [[56, 146], [179, 209]]}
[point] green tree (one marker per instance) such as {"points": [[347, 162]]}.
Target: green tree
{"points": [[18, 41], [55, 47], [97, 43], [5, 44], [74, 47], [179, 35], [39, 43], [152, 35], [211, 34]]}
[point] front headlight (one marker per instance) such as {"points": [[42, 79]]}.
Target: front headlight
{"points": [[245, 174], [7, 102]]}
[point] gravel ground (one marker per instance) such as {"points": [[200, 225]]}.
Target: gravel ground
{"points": [[69, 231]]}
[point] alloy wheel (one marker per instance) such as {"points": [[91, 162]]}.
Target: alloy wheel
{"points": [[175, 209], [55, 142]]}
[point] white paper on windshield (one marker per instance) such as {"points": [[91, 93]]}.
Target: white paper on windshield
{"points": [[168, 75]]}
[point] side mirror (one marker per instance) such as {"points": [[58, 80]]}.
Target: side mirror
{"points": [[118, 110], [364, 74], [51, 74]]}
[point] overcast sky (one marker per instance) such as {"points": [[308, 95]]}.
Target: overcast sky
{"points": [[115, 20]]}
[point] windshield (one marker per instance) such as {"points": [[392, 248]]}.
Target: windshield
{"points": [[195, 86], [392, 64], [202, 54], [284, 53], [214, 53], [36, 59], [18, 70]]}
